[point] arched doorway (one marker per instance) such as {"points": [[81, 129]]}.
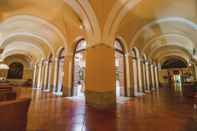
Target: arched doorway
{"points": [[120, 69], [136, 74], [176, 72], [60, 72], [145, 73], [15, 71], [79, 68]]}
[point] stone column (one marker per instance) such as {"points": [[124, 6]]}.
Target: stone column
{"points": [[60, 77], [49, 76], [52, 74], [140, 89], [35, 76], [152, 77], [147, 77], [40, 75], [42, 83], [100, 76], [55, 75], [129, 69], [68, 75], [135, 76], [156, 77], [195, 71], [45, 75], [143, 76]]}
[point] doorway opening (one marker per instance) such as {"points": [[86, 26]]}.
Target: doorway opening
{"points": [[120, 69], [177, 82], [79, 69], [60, 72]]}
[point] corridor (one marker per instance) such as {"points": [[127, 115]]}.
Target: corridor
{"points": [[159, 111]]}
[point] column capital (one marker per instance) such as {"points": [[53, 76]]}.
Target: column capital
{"points": [[98, 45], [56, 59], [69, 54]]}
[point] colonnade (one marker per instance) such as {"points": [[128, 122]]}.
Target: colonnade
{"points": [[144, 74], [48, 74], [56, 75]]}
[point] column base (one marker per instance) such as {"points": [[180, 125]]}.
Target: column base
{"points": [[100, 100], [67, 92], [147, 91], [46, 90], [139, 94], [132, 93], [58, 93]]}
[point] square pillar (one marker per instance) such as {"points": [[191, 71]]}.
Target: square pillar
{"points": [[129, 75], [55, 71], [195, 71], [143, 72], [147, 77], [156, 77], [39, 84], [35, 74], [152, 77], [139, 69], [100, 76], [68, 73]]}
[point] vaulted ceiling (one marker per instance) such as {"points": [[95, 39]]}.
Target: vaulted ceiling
{"points": [[158, 28]]}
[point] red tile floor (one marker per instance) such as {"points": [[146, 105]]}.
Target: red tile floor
{"points": [[159, 111]]}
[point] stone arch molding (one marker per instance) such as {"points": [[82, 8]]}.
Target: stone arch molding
{"points": [[90, 22], [173, 52], [88, 17], [192, 27], [25, 60], [28, 38], [123, 42], [32, 60], [30, 50], [165, 57], [46, 34], [118, 12], [174, 39]]}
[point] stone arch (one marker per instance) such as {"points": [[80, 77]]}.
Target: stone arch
{"points": [[88, 17], [188, 24], [28, 38], [118, 12], [121, 68], [78, 72]]}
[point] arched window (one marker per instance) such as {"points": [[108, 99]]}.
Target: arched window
{"points": [[120, 69], [15, 71], [79, 69]]}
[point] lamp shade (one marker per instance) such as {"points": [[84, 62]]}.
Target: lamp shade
{"points": [[4, 66]]}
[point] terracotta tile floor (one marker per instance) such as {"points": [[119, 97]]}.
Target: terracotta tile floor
{"points": [[163, 111]]}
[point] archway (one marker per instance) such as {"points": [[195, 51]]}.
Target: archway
{"points": [[145, 67], [15, 71], [79, 68], [176, 72], [60, 72], [48, 71], [136, 73], [120, 69]]}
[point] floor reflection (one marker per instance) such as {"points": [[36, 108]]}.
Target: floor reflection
{"points": [[161, 111]]}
